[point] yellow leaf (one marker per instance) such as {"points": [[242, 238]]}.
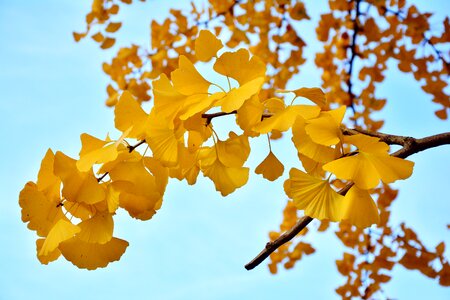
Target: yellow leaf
{"points": [[187, 80], [47, 181], [440, 249], [199, 103], [307, 147], [226, 179], [108, 43], [237, 96], [168, 101], [98, 37], [51, 256], [249, 115], [316, 95], [238, 66], [61, 231], [326, 129], [93, 151], [234, 151], [138, 188], [98, 229], [113, 27], [270, 168], [41, 213], [162, 140], [207, 45], [77, 186], [366, 169], [359, 208], [314, 196], [311, 166], [91, 256], [129, 114], [367, 144], [112, 198], [283, 120], [78, 36]]}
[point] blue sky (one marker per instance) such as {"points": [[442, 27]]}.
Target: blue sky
{"points": [[52, 90]]}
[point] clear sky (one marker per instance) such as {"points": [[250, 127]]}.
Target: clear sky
{"points": [[52, 90]]}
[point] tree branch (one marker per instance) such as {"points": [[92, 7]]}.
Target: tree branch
{"points": [[410, 147], [352, 47], [389, 139], [211, 116], [282, 239]]}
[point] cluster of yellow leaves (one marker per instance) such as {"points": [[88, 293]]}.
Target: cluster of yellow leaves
{"points": [[78, 221], [278, 41], [87, 242], [366, 38]]}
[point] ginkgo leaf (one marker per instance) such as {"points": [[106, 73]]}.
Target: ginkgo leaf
{"points": [[359, 209], [61, 231], [79, 210], [226, 179], [367, 144], [78, 186], [313, 195], [237, 65], [162, 140], [91, 256], [168, 101], [234, 151], [98, 229], [237, 96], [311, 166], [326, 128], [49, 257], [112, 198], [187, 80], [249, 115], [159, 171], [40, 212], [307, 147], [199, 103], [139, 191], [274, 105], [47, 181], [129, 114], [284, 119], [94, 151], [207, 45], [366, 169], [270, 168], [316, 95]]}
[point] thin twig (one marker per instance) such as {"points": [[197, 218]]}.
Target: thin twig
{"points": [[353, 52], [211, 116], [130, 149]]}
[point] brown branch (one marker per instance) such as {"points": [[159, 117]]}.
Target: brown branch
{"points": [[211, 116], [131, 148], [282, 239], [353, 51], [410, 146], [414, 146], [389, 139]]}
